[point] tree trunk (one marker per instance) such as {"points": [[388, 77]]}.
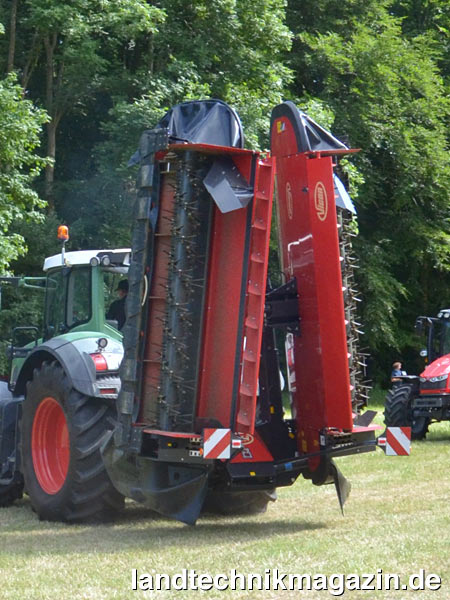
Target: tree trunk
{"points": [[12, 36], [50, 45], [32, 60], [50, 169]]}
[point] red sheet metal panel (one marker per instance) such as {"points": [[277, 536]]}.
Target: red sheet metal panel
{"points": [[222, 318], [253, 450], [235, 305], [310, 252]]}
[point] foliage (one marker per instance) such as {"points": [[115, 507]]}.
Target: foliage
{"points": [[178, 64], [376, 72], [20, 128], [389, 99]]}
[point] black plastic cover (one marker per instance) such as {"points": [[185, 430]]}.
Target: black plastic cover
{"points": [[204, 122], [310, 136], [227, 186]]}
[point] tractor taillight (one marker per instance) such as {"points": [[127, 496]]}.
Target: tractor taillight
{"points": [[99, 362], [108, 391]]}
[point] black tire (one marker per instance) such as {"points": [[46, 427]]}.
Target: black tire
{"points": [[238, 503], [11, 492], [83, 490], [397, 412]]}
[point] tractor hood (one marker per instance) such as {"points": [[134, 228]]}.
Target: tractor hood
{"points": [[440, 366]]}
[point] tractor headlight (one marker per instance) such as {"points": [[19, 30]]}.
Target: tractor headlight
{"points": [[434, 383], [439, 378]]}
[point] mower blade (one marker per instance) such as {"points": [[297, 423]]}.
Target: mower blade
{"points": [[365, 419], [342, 485]]}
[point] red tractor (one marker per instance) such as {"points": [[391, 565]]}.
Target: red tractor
{"points": [[417, 401]]}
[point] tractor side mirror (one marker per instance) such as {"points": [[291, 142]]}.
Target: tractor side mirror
{"points": [[22, 338], [418, 326]]}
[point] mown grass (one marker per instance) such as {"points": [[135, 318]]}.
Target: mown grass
{"points": [[397, 519]]}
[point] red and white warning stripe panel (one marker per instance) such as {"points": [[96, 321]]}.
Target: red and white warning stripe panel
{"points": [[397, 441], [217, 443]]}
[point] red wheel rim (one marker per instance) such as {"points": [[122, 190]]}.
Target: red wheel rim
{"points": [[50, 448]]}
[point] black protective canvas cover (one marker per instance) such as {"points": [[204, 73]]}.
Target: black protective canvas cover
{"points": [[204, 122]]}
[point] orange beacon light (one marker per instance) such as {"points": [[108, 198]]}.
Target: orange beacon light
{"points": [[63, 236], [63, 233]]}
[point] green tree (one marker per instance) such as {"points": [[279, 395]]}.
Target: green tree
{"points": [[64, 52], [389, 99], [227, 49], [20, 129]]}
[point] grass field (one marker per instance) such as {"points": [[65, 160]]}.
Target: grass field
{"points": [[397, 519]]}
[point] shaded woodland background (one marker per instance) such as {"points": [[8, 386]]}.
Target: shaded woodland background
{"points": [[82, 78]]}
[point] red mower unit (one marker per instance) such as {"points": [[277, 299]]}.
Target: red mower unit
{"points": [[201, 420], [194, 418]]}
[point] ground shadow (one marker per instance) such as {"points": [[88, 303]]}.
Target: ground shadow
{"points": [[138, 527]]}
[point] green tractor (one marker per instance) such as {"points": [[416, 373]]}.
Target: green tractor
{"points": [[63, 385]]}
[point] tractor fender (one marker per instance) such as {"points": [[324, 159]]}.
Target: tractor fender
{"points": [[411, 380], [78, 366]]}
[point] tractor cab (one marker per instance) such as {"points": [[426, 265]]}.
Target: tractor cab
{"points": [[79, 287], [80, 291]]}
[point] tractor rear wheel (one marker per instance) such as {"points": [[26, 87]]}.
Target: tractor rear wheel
{"points": [[238, 503], [11, 492], [61, 435], [397, 412]]}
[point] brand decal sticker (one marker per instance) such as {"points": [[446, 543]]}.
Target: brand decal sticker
{"points": [[321, 201], [289, 201], [246, 439]]}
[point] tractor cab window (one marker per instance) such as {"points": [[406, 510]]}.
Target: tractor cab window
{"points": [[78, 305], [54, 304], [446, 338], [114, 301], [110, 282], [68, 299]]}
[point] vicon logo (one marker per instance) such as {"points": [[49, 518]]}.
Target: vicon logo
{"points": [[321, 201], [289, 201], [247, 439]]}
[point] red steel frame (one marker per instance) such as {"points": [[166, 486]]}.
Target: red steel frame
{"points": [[310, 252]]}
